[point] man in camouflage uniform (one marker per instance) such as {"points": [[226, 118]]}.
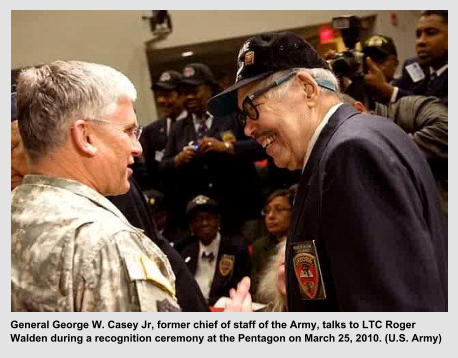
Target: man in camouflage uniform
{"points": [[71, 249]]}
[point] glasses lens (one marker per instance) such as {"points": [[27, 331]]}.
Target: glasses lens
{"points": [[249, 109], [241, 118], [138, 132]]}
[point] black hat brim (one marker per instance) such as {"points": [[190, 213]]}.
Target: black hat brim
{"points": [[225, 103], [192, 82], [164, 86]]}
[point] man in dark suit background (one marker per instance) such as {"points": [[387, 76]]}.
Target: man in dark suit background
{"points": [[367, 232], [427, 73], [210, 155], [169, 104], [217, 261]]}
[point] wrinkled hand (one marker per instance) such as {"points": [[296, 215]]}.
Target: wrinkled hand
{"points": [[185, 156], [375, 80], [240, 300], [210, 144]]}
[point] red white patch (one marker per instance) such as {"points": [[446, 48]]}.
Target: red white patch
{"points": [[189, 72], [165, 77], [249, 58], [307, 273]]}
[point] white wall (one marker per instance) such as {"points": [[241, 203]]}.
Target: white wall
{"points": [[117, 38]]}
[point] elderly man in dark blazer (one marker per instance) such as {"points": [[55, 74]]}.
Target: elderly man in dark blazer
{"points": [[367, 232]]}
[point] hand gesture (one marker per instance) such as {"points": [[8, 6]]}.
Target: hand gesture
{"points": [[210, 144], [375, 80], [240, 300], [185, 156]]}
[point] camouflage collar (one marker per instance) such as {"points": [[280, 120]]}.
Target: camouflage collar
{"points": [[75, 187]]}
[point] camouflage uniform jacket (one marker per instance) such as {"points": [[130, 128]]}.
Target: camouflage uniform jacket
{"points": [[73, 250]]}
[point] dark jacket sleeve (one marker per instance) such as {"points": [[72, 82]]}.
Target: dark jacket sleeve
{"points": [[372, 222], [425, 119], [167, 163]]}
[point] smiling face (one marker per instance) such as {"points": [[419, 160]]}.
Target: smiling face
{"points": [[285, 125], [169, 103], [204, 225], [432, 41], [195, 98], [116, 148]]}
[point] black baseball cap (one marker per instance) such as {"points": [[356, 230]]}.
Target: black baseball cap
{"points": [[379, 46], [261, 56], [201, 203], [196, 74], [168, 80]]}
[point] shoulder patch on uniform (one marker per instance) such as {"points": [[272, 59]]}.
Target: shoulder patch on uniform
{"points": [[153, 274]]}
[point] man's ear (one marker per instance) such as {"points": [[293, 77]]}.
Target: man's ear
{"points": [[360, 107], [310, 88], [81, 137]]}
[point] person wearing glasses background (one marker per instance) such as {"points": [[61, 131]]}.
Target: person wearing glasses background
{"points": [[277, 217], [366, 226], [71, 248]]}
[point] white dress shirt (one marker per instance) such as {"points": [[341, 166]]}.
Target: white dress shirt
{"points": [[205, 269], [318, 130]]}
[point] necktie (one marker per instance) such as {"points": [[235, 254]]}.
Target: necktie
{"points": [[210, 257], [202, 129]]}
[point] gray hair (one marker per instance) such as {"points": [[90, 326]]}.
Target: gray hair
{"points": [[51, 97], [319, 74]]}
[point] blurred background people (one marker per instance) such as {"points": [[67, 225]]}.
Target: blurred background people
{"points": [[169, 104], [217, 261], [427, 73], [212, 156]]}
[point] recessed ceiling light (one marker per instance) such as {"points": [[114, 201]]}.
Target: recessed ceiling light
{"points": [[187, 54]]}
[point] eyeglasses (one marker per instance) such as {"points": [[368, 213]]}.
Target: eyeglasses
{"points": [[275, 210], [131, 132], [249, 108]]}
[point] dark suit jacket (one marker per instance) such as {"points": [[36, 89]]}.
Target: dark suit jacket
{"points": [[134, 207], [368, 199], [438, 87], [230, 179], [153, 138], [222, 281]]}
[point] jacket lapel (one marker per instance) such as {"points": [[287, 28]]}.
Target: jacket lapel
{"points": [[344, 112]]}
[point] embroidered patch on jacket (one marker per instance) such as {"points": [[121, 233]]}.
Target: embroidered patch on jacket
{"points": [[308, 271]]}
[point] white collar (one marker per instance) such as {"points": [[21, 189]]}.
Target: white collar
{"points": [[439, 71], [318, 130], [212, 247]]}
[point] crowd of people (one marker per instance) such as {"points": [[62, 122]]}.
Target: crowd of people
{"points": [[348, 214]]}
